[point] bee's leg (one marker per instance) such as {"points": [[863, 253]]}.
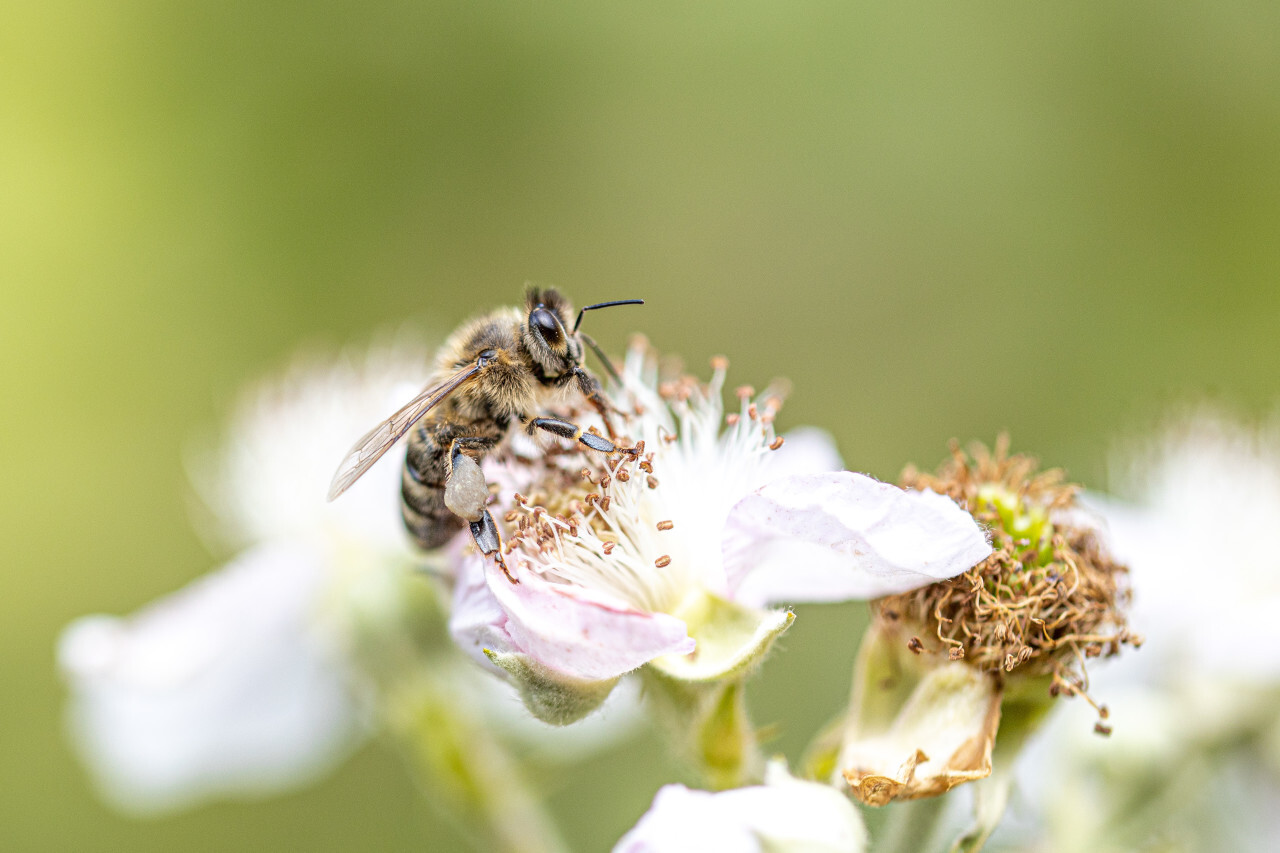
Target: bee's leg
{"points": [[565, 429], [591, 390], [466, 493], [489, 540]]}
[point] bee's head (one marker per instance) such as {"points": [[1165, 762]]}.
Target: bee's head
{"points": [[547, 335]]}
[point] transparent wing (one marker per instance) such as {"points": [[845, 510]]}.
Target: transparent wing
{"points": [[379, 440]]}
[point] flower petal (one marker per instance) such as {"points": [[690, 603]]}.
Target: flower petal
{"points": [[580, 632], [220, 688], [783, 814], [839, 536], [918, 727]]}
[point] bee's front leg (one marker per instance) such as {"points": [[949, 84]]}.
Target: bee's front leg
{"points": [[567, 429], [591, 390], [465, 494]]}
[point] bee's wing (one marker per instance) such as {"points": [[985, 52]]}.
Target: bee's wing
{"points": [[377, 441]]}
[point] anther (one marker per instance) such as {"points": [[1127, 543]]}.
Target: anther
{"points": [[604, 503], [666, 525], [608, 548], [776, 443], [623, 475], [639, 448], [646, 466], [915, 645], [652, 481], [511, 516], [732, 418], [1102, 729], [753, 412], [521, 499], [744, 392], [662, 562], [719, 362]]}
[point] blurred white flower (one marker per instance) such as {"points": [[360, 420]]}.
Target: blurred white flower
{"points": [[241, 683], [1195, 714], [782, 815]]}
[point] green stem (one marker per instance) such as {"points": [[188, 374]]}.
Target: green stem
{"points": [[469, 775], [910, 826], [707, 725]]}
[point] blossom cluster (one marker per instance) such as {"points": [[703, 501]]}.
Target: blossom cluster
{"points": [[671, 567]]}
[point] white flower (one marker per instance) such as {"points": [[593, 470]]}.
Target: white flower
{"points": [[240, 683], [646, 558], [1194, 713], [782, 815]]}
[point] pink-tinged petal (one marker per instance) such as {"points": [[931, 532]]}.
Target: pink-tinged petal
{"points": [[476, 619], [222, 688], [840, 536], [581, 632]]}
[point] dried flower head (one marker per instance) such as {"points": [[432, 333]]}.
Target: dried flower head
{"points": [[1048, 597]]}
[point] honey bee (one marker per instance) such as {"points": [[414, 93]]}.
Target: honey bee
{"points": [[496, 371]]}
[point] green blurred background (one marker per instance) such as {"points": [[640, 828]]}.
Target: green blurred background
{"points": [[936, 221]]}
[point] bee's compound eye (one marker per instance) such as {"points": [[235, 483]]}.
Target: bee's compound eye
{"points": [[548, 325]]}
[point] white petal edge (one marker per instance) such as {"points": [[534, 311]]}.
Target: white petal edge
{"points": [[783, 814], [220, 689], [840, 536]]}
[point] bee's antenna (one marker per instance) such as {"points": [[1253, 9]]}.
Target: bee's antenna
{"points": [[604, 305], [604, 359]]}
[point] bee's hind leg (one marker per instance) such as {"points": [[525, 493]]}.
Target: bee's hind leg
{"points": [[569, 430], [465, 494], [489, 540]]}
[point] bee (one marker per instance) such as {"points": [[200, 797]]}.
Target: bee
{"points": [[492, 373]]}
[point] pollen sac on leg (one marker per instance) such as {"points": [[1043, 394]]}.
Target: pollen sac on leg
{"points": [[466, 491]]}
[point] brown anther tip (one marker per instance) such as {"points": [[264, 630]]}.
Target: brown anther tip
{"points": [[623, 475], [1102, 729], [719, 362], [604, 503], [511, 516], [608, 547], [776, 443], [639, 448], [744, 391], [646, 466], [732, 418], [605, 481], [753, 412], [666, 525], [586, 475], [955, 653], [662, 562], [652, 481], [591, 497], [521, 499], [1104, 712], [670, 439], [915, 645]]}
